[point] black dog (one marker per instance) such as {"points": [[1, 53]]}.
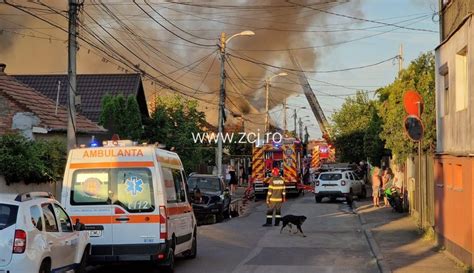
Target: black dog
{"points": [[289, 220]]}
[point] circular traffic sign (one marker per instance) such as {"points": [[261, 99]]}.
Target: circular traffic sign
{"points": [[414, 127], [411, 100]]}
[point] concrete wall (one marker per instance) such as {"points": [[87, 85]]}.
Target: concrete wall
{"points": [[454, 129], [21, 188]]}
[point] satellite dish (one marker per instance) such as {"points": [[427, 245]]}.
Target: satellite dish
{"points": [[414, 127]]}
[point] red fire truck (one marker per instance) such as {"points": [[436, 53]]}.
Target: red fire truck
{"points": [[286, 155]]}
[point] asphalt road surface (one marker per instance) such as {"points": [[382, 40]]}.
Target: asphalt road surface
{"points": [[335, 242]]}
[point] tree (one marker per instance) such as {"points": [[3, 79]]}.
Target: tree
{"points": [[418, 76], [350, 126], [173, 123], [121, 115]]}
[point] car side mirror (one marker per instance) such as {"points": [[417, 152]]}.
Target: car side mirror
{"points": [[79, 226]]}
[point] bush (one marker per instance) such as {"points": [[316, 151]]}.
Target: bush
{"points": [[22, 160]]}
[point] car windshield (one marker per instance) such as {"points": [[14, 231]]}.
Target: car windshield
{"points": [[7, 215], [330, 176], [204, 183]]}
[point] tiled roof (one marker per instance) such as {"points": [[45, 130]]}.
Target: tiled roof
{"points": [[43, 107], [91, 88]]}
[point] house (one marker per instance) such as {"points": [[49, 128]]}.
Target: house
{"points": [[91, 87], [454, 161], [24, 110]]}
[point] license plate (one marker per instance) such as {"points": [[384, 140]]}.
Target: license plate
{"points": [[93, 233]]}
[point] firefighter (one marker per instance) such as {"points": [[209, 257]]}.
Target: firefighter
{"points": [[275, 198]]}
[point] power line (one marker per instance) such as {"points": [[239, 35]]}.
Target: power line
{"points": [[361, 19], [312, 71], [170, 31]]}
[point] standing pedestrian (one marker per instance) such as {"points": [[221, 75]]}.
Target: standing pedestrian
{"points": [[387, 180], [233, 180], [276, 195], [376, 184]]}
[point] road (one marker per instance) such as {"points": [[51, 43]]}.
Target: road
{"points": [[335, 242]]}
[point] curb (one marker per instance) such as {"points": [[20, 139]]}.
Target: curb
{"points": [[374, 247]]}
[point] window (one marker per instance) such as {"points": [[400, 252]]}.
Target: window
{"points": [[174, 187], [7, 215], [205, 183], [461, 80], [50, 224], [446, 94], [169, 185], [179, 186], [63, 218], [330, 176], [90, 187], [134, 189], [457, 183], [36, 218]]}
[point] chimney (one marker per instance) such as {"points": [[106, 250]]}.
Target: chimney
{"points": [[2, 68]]}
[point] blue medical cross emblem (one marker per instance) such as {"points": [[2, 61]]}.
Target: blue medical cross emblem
{"points": [[134, 185]]}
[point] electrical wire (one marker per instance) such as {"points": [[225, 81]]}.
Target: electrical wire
{"points": [[170, 31]]}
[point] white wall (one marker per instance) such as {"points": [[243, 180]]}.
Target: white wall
{"points": [[454, 129]]}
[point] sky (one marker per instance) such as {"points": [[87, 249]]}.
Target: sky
{"points": [[369, 51], [175, 43]]}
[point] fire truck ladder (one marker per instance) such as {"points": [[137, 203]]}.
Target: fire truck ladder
{"points": [[312, 100]]}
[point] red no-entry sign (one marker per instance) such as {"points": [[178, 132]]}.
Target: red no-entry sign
{"points": [[411, 100]]}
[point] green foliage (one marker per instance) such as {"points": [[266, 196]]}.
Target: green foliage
{"points": [[356, 128], [418, 76], [27, 161], [121, 115], [172, 123]]}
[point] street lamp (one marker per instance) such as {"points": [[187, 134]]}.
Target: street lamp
{"points": [[267, 87], [221, 114]]}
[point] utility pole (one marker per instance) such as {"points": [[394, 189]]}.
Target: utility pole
{"points": [[72, 50], [294, 119], [400, 59], [301, 128], [267, 87], [284, 116], [221, 117]]}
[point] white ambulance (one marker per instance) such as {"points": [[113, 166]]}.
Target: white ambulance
{"points": [[133, 201]]}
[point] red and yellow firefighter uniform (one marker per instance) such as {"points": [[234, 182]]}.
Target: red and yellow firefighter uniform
{"points": [[276, 195]]}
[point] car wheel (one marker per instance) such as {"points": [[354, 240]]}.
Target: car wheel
{"points": [[192, 253], [318, 199], [168, 267], [219, 217], [45, 267], [84, 260]]}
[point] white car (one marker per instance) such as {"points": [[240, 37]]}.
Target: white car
{"points": [[37, 235], [340, 183]]}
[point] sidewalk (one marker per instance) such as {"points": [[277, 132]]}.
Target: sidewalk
{"points": [[398, 245]]}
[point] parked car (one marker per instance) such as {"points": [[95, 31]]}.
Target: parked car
{"points": [[209, 196], [132, 198], [37, 235], [334, 184]]}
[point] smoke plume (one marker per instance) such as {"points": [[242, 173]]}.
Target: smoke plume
{"points": [[27, 46]]}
